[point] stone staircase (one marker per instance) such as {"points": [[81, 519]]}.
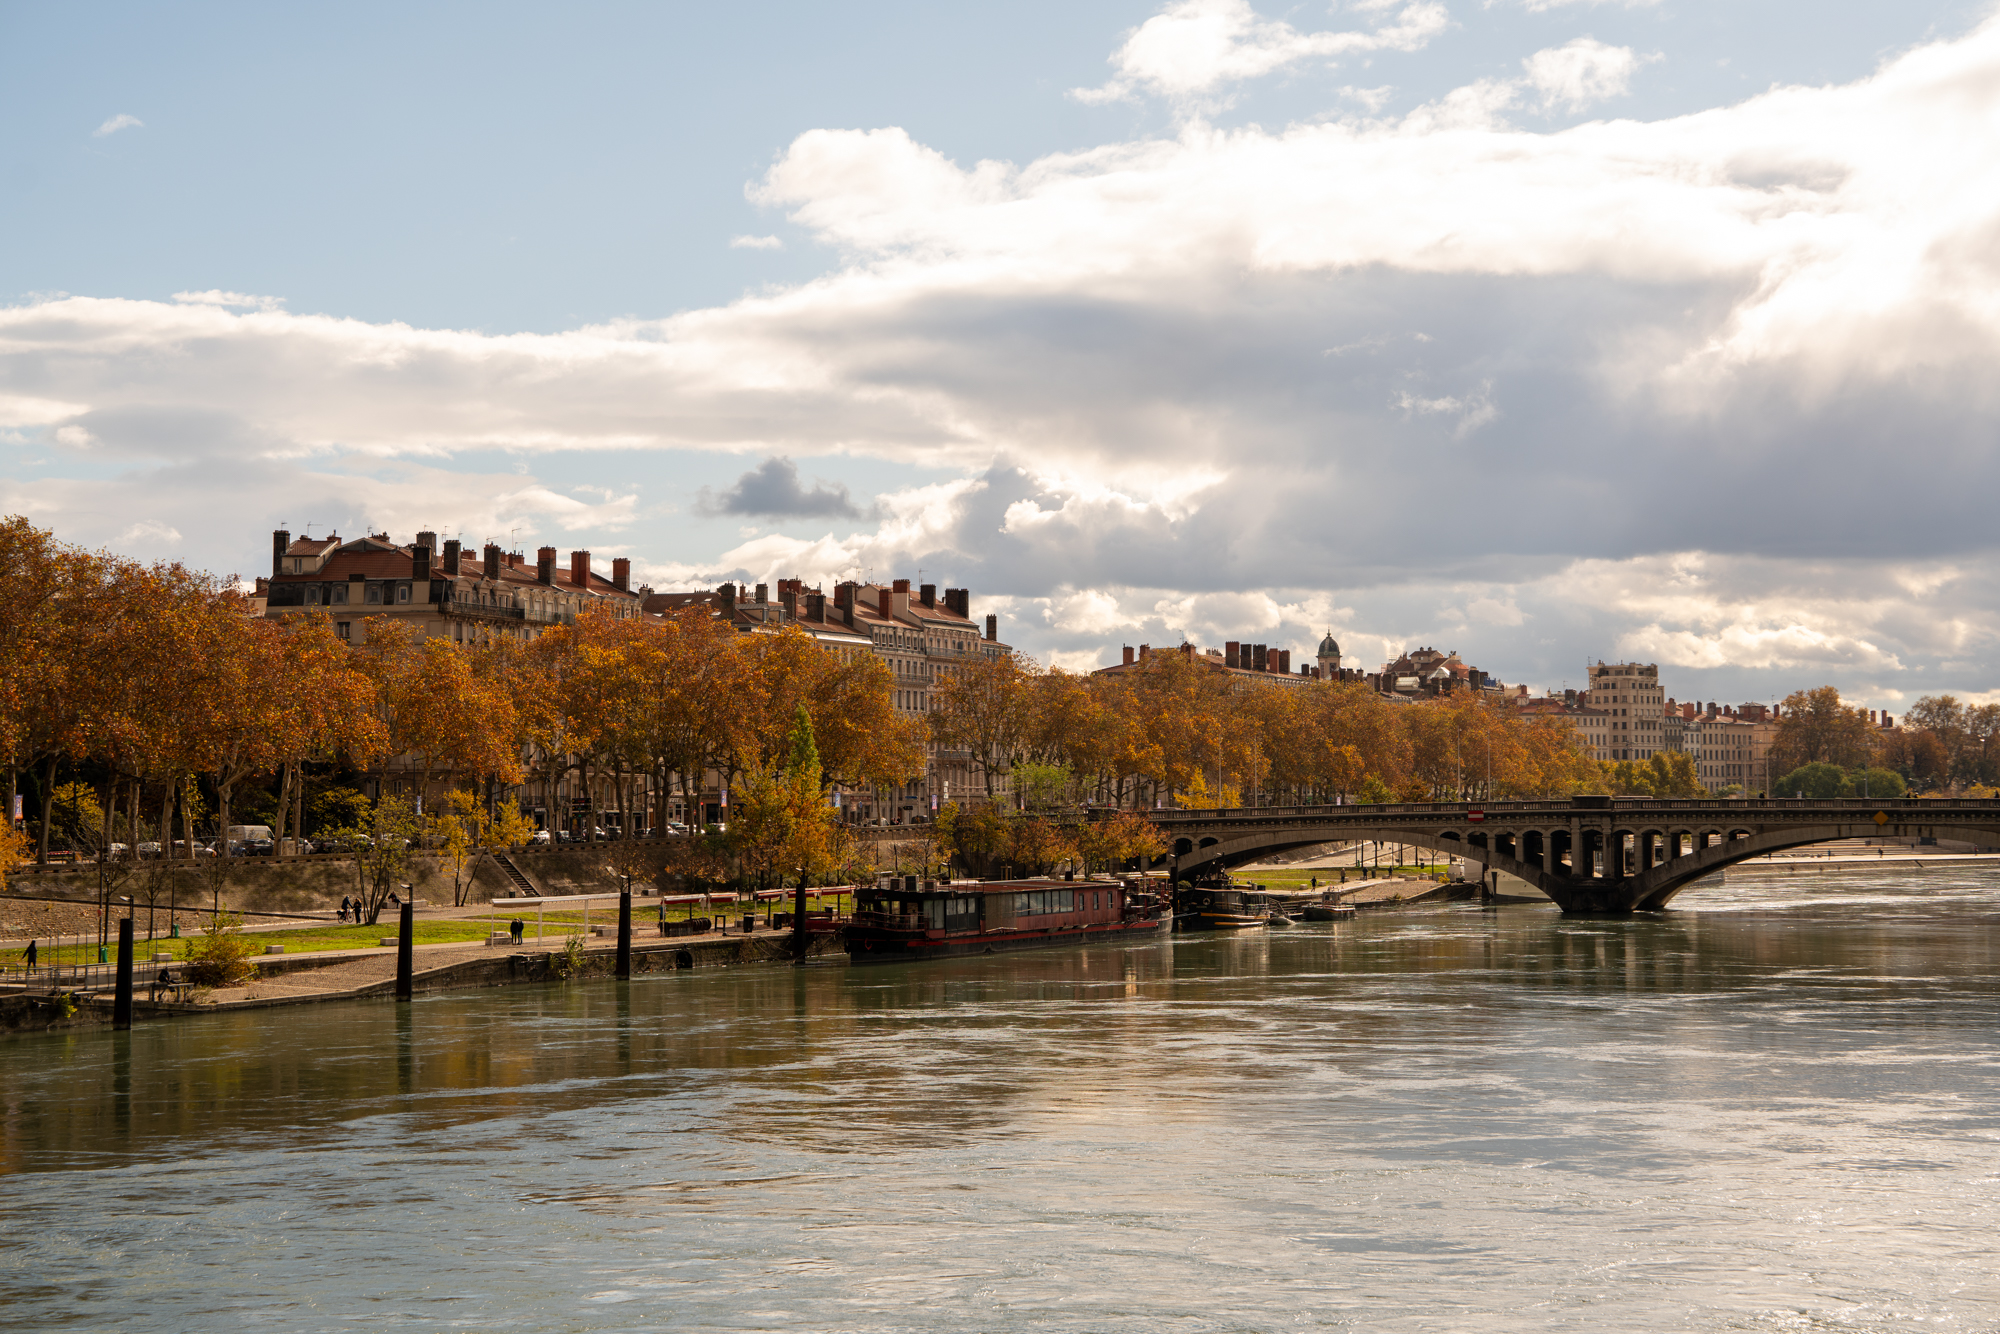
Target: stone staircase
{"points": [[521, 885]]}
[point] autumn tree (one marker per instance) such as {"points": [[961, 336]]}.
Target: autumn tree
{"points": [[1813, 725], [986, 708]]}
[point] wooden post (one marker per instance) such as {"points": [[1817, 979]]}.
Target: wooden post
{"points": [[625, 936], [799, 937], [406, 940], [121, 1004]]}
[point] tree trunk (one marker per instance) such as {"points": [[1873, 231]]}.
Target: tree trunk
{"points": [[48, 803]]}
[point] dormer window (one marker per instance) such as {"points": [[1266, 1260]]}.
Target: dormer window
{"points": [[374, 593], [312, 595], [402, 592], [340, 595]]}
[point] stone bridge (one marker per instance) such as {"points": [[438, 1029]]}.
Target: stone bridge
{"points": [[1591, 854]]}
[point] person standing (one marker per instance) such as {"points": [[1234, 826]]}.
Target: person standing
{"points": [[515, 928], [31, 954]]}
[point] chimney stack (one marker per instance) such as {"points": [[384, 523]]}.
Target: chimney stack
{"points": [[492, 553], [420, 567], [1231, 651], [763, 592], [1285, 661], [579, 568], [928, 595], [545, 565], [1128, 655], [727, 594], [621, 574], [816, 606], [959, 601], [280, 540], [428, 539], [993, 629], [451, 558]]}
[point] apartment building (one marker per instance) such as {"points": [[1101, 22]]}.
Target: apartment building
{"points": [[448, 595], [1630, 711]]}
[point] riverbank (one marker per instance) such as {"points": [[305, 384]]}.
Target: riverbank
{"points": [[364, 974]]}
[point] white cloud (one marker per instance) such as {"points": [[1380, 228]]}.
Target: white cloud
{"points": [[230, 300], [1544, 6], [151, 533], [1583, 72], [1194, 47], [118, 122], [756, 243]]}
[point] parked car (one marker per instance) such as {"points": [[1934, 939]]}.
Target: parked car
{"points": [[117, 852], [540, 839], [149, 850]]}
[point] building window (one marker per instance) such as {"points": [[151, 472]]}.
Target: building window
{"points": [[312, 596], [374, 593], [340, 628], [340, 595], [402, 592]]}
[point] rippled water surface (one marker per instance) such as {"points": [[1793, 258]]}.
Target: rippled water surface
{"points": [[1772, 1109]]}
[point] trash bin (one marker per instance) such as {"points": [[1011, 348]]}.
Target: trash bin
{"points": [[749, 924]]}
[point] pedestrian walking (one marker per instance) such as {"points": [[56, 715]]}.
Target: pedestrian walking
{"points": [[343, 907], [31, 954]]}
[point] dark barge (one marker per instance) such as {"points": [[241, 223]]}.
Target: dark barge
{"points": [[903, 919]]}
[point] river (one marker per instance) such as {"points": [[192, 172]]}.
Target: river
{"points": [[1771, 1109]]}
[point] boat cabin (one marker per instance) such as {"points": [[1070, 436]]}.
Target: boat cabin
{"points": [[947, 907]]}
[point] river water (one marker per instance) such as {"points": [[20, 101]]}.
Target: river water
{"points": [[1772, 1109]]}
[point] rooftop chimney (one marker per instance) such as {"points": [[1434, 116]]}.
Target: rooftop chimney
{"points": [[429, 540], [1128, 655], [816, 606], [993, 628], [579, 568], [451, 557], [545, 565], [928, 595], [492, 550], [763, 592], [280, 539], [1231, 651], [727, 593], [420, 566]]}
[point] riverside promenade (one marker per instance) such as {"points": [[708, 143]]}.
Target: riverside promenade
{"points": [[356, 974]]}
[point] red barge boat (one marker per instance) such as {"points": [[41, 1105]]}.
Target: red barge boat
{"points": [[903, 919]]}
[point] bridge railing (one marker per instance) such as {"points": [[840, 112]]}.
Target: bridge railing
{"points": [[1837, 806]]}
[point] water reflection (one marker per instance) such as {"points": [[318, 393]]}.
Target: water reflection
{"points": [[1404, 1120]]}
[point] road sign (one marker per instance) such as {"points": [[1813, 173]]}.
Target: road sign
{"points": [[1881, 818], [1475, 816]]}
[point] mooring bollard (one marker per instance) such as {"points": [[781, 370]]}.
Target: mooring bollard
{"points": [[625, 935], [406, 940], [121, 1002]]}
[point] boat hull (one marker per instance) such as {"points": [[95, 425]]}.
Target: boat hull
{"points": [[1219, 921], [867, 945]]}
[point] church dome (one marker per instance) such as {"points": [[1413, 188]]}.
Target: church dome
{"points": [[1327, 648]]}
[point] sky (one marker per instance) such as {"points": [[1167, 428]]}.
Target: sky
{"points": [[1544, 331]]}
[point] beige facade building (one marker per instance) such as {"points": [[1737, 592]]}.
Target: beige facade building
{"points": [[1629, 709]]}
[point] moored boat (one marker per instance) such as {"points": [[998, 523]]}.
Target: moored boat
{"points": [[1217, 908], [1328, 912], [904, 919]]}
